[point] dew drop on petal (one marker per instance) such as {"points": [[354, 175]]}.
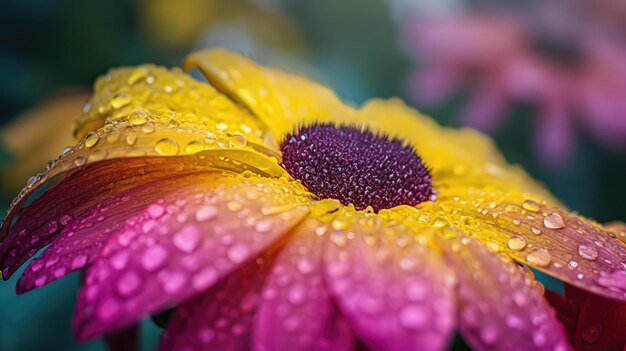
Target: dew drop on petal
{"points": [[530, 205], [539, 257], [489, 334], [194, 147], [535, 230], [238, 253], [305, 266], [120, 100], [296, 295], [592, 333], [91, 139], [154, 257], [166, 147], [237, 141], [173, 282], [615, 281], [128, 284], [155, 211], [79, 262], [553, 221], [138, 118], [414, 316], [108, 310], [588, 251], [187, 239], [206, 213], [516, 243], [204, 279]]}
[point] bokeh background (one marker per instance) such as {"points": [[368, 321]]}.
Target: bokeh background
{"points": [[547, 79]]}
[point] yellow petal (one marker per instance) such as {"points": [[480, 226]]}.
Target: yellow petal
{"points": [[174, 98], [282, 100], [459, 159], [39, 135]]}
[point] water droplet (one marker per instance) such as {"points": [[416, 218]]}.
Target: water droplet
{"points": [[91, 139], [592, 333], [155, 211], [138, 118], [204, 278], [539, 257], [613, 281], [79, 262], [553, 221], [238, 253], [194, 147], [516, 243], [588, 251], [148, 128], [166, 147], [535, 230], [120, 101], [136, 75], [187, 239], [264, 225], [128, 284], [237, 141], [173, 282], [206, 213], [305, 265], [489, 334], [131, 139], [296, 295], [530, 205], [108, 310], [414, 316], [154, 257], [234, 205], [440, 223]]}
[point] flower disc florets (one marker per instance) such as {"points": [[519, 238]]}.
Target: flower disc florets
{"points": [[356, 166]]}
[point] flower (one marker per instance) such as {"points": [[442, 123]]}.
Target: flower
{"points": [[562, 58], [242, 203]]}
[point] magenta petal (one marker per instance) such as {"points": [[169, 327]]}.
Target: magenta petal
{"points": [[70, 200], [296, 312], [80, 242], [500, 307], [395, 297], [221, 318], [182, 245]]}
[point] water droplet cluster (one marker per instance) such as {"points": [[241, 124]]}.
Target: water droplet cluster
{"points": [[183, 244]]}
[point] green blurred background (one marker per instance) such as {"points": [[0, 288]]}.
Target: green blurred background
{"points": [[354, 46]]}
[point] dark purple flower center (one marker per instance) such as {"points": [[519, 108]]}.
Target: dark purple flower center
{"points": [[356, 166]]}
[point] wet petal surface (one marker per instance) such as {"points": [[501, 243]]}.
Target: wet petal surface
{"points": [[390, 285], [202, 234], [296, 311], [80, 242], [500, 306], [221, 318]]}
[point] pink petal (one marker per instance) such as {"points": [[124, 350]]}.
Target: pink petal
{"points": [[486, 108], [296, 312], [395, 292], [72, 199], [202, 234], [500, 308], [434, 84], [554, 132], [221, 318], [78, 243]]}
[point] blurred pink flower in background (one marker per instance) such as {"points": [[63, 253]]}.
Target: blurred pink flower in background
{"points": [[567, 59]]}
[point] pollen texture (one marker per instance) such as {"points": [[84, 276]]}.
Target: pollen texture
{"points": [[356, 166]]}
